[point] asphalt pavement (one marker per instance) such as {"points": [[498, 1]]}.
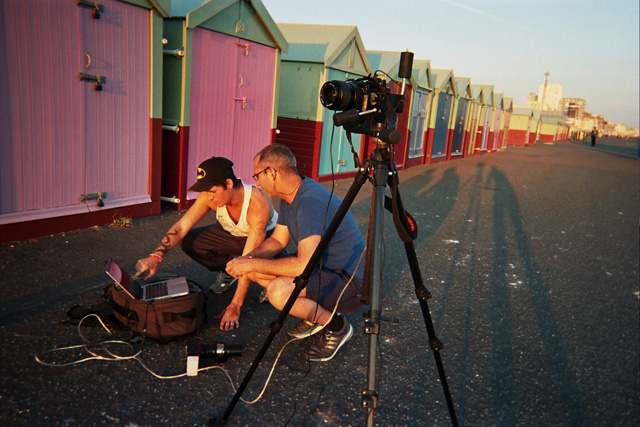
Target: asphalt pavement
{"points": [[531, 257]]}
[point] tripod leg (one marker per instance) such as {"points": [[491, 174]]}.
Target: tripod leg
{"points": [[423, 295], [372, 322], [404, 224]]}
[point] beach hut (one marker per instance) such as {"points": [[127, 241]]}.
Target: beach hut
{"points": [[461, 113], [81, 112], [220, 79], [442, 112], [506, 119], [553, 126], [494, 132], [520, 127], [420, 112], [317, 54], [388, 65], [487, 99], [475, 119]]}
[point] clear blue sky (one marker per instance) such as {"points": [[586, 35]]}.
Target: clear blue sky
{"points": [[590, 47]]}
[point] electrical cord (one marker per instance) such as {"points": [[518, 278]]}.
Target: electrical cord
{"points": [[94, 348]]}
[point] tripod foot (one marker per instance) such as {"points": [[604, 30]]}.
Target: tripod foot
{"points": [[369, 399], [436, 345]]}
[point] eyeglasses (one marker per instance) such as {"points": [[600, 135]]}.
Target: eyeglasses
{"points": [[255, 177]]}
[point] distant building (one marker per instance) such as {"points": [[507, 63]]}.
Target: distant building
{"points": [[532, 101], [574, 112], [552, 98], [574, 108]]}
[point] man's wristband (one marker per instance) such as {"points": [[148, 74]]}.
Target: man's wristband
{"points": [[156, 256]]}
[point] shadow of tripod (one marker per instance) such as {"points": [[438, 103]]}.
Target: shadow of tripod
{"points": [[381, 171]]}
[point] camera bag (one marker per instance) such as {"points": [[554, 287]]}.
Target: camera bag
{"points": [[164, 319]]}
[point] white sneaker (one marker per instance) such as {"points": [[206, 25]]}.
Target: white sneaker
{"points": [[223, 283]]}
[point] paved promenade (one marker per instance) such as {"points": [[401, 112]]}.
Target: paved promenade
{"points": [[531, 255]]}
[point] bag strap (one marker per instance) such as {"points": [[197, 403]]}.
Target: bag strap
{"points": [[168, 317]]}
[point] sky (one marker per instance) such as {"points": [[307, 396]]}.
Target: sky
{"points": [[590, 47]]}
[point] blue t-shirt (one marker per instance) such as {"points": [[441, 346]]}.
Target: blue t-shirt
{"points": [[305, 217]]}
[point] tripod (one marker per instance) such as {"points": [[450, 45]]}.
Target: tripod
{"points": [[383, 171]]}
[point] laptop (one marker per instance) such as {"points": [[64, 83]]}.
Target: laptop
{"points": [[162, 289]]}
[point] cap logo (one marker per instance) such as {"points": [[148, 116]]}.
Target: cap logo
{"points": [[201, 173]]}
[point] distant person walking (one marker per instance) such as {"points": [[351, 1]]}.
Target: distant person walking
{"points": [[594, 135]]}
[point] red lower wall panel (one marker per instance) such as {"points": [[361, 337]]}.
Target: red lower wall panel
{"points": [[303, 137], [417, 161], [517, 138], [174, 165], [48, 226]]}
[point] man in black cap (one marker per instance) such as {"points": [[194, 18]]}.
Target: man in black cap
{"points": [[244, 216]]}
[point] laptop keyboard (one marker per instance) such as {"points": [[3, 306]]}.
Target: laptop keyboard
{"points": [[156, 290]]}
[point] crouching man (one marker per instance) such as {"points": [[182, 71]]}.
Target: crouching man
{"points": [[306, 209], [244, 216]]}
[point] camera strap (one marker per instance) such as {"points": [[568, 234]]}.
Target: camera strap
{"points": [[406, 225], [356, 159]]}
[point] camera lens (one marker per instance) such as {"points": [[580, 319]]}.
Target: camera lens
{"points": [[339, 95]]}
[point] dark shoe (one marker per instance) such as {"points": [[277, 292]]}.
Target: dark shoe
{"points": [[328, 343], [304, 329], [223, 283], [263, 296]]}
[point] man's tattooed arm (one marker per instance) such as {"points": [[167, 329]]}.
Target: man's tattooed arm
{"points": [[169, 241]]}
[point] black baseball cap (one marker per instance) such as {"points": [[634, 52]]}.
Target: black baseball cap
{"points": [[212, 171]]}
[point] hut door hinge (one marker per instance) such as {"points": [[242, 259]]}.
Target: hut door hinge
{"points": [[243, 100], [98, 79], [95, 7], [94, 196], [245, 46]]}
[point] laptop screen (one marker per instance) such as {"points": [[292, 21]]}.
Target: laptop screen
{"points": [[122, 278]]}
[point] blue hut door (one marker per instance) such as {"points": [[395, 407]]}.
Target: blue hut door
{"points": [[441, 125], [485, 129], [336, 153], [418, 117], [458, 133]]}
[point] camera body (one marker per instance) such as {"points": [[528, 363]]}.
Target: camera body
{"points": [[367, 105]]}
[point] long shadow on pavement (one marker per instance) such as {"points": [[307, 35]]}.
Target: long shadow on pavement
{"points": [[506, 212]]}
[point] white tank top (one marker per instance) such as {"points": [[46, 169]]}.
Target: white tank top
{"points": [[241, 229]]}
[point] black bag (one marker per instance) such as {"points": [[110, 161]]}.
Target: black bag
{"points": [[162, 320]]}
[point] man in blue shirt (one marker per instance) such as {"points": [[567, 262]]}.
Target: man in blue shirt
{"points": [[306, 209]]}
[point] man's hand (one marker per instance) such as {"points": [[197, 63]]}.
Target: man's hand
{"points": [[238, 267], [146, 265], [230, 317]]}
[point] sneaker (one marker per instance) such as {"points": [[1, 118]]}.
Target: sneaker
{"points": [[223, 283], [263, 296], [328, 343], [304, 329]]}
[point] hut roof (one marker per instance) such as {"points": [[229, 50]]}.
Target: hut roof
{"points": [[463, 87], [444, 79], [325, 44], [422, 72], [255, 22]]}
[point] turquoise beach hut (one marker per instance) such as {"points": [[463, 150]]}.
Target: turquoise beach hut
{"points": [[388, 63], [317, 54], [420, 113], [442, 112], [461, 121]]}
